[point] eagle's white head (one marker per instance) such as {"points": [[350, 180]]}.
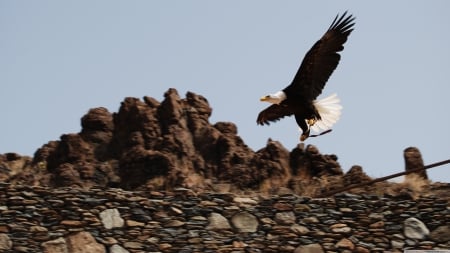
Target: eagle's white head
{"points": [[275, 98]]}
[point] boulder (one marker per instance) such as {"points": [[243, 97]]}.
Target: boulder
{"points": [[245, 222], [415, 229]]}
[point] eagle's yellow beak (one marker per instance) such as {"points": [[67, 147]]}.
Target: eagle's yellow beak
{"points": [[265, 98]]}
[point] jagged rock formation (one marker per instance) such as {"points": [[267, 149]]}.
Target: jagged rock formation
{"points": [[161, 145], [413, 161], [14, 168]]}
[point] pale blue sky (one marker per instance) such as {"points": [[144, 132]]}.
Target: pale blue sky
{"points": [[58, 59]]}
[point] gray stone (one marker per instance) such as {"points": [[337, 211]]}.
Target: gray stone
{"points": [[310, 248], [311, 219], [441, 234], [376, 216], [174, 224], [415, 229], [340, 228], [244, 200], [345, 244], [410, 242], [133, 245], [300, 230], [5, 242], [285, 218], [117, 249], [397, 244], [37, 229], [111, 219], [245, 222], [217, 222], [55, 246]]}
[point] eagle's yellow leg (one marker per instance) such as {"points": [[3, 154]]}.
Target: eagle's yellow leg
{"points": [[311, 122]]}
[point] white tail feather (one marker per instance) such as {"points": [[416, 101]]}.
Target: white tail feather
{"points": [[330, 112]]}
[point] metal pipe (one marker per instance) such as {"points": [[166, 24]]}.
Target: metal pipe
{"points": [[346, 188]]}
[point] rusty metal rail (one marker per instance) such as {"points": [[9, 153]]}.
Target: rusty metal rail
{"points": [[346, 188]]}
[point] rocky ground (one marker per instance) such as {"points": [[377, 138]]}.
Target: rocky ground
{"points": [[37, 219], [158, 177]]}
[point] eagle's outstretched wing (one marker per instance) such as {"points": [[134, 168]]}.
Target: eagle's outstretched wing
{"points": [[273, 113], [321, 60]]}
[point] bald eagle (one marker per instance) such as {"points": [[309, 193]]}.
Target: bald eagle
{"points": [[299, 98]]}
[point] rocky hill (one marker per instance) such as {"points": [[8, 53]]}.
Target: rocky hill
{"points": [[163, 145], [152, 145]]}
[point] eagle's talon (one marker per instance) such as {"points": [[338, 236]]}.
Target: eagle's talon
{"points": [[303, 137]]}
